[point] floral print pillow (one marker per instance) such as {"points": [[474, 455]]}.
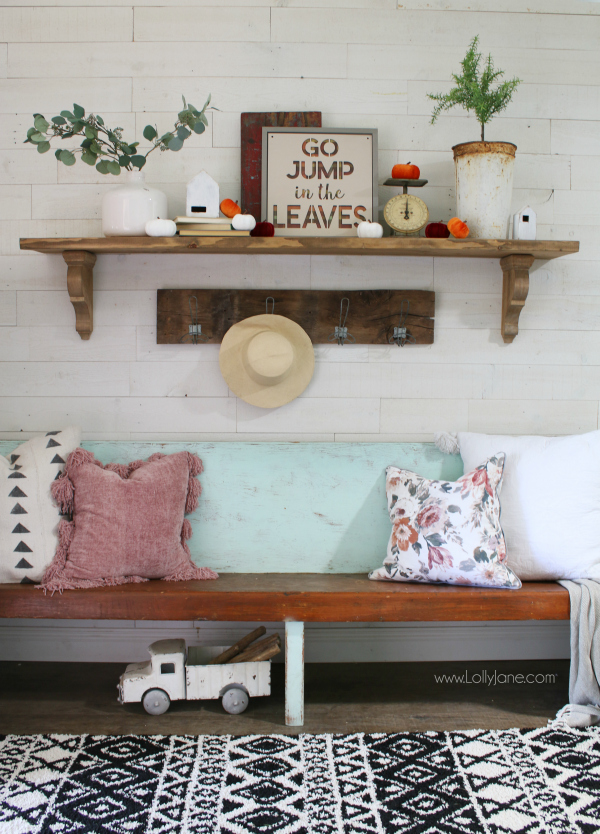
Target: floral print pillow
{"points": [[447, 531]]}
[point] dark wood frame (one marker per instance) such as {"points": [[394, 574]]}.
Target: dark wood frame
{"points": [[328, 131]]}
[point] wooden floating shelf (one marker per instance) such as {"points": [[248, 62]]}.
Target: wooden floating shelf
{"points": [[515, 256]]}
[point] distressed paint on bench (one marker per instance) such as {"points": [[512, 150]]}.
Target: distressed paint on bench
{"points": [[294, 674], [290, 507]]}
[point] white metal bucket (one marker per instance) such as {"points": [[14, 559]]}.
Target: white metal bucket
{"points": [[484, 181]]}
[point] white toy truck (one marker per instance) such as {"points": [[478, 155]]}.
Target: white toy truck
{"points": [[173, 675]]}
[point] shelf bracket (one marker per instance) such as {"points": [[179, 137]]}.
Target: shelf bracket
{"points": [[80, 283], [515, 286]]}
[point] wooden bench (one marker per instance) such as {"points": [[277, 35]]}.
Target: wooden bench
{"points": [[308, 520]]}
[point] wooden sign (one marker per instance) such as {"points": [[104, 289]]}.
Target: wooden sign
{"points": [[319, 181], [251, 125], [372, 314]]}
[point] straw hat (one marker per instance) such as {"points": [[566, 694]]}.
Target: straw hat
{"points": [[267, 360]]}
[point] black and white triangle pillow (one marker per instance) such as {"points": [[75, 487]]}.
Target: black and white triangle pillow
{"points": [[28, 515]]}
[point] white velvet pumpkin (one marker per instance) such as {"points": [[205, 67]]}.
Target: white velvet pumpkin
{"points": [[368, 229], [161, 228], [243, 222]]}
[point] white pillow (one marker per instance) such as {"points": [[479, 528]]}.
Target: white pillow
{"points": [[28, 515], [550, 501]]}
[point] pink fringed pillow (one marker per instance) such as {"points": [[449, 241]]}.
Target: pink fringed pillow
{"points": [[128, 521]]}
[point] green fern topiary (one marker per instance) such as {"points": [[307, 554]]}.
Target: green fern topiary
{"points": [[474, 91]]}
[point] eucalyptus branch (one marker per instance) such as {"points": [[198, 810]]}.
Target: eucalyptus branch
{"points": [[474, 89], [112, 153]]}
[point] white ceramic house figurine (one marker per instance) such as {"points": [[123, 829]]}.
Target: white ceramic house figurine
{"points": [[524, 224], [172, 674], [202, 196]]}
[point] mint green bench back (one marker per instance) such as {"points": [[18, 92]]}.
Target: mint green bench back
{"points": [[290, 507]]}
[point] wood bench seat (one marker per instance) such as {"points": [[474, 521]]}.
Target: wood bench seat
{"points": [[278, 597], [318, 506]]}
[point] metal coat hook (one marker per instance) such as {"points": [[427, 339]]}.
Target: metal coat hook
{"points": [[401, 335], [272, 300], [340, 333], [194, 333]]}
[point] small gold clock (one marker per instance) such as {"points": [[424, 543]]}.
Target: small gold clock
{"points": [[406, 214]]}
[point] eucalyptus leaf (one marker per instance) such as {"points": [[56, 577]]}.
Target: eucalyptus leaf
{"points": [[100, 120], [124, 160], [183, 133], [138, 161], [90, 132], [95, 147], [57, 153], [199, 127], [175, 144], [41, 124], [133, 145], [78, 111], [192, 109], [102, 166], [112, 136], [37, 138], [67, 158], [204, 119], [150, 133], [30, 133], [43, 147], [113, 167], [166, 137], [207, 103], [58, 120], [86, 143], [89, 158], [67, 115]]}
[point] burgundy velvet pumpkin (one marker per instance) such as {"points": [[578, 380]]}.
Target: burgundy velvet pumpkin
{"points": [[263, 229], [437, 230]]}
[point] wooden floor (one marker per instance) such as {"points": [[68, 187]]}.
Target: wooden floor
{"points": [[340, 698]]}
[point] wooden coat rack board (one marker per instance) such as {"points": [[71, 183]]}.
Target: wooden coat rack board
{"points": [[372, 314]]}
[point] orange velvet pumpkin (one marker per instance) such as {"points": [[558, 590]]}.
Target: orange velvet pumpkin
{"points": [[458, 228], [406, 172], [229, 208]]}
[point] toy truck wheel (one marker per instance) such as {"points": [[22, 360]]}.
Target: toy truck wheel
{"points": [[156, 701], [235, 700]]}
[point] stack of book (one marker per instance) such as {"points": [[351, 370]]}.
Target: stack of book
{"points": [[207, 227]]}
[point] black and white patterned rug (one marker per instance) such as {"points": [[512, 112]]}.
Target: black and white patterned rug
{"points": [[543, 780]]}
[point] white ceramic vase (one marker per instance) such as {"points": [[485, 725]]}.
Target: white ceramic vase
{"points": [[484, 181], [127, 208]]}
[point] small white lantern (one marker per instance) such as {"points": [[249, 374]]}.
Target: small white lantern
{"points": [[202, 196], [524, 224]]}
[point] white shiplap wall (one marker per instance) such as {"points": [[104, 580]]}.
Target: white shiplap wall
{"points": [[362, 63]]}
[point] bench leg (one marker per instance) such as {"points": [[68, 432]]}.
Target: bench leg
{"points": [[294, 674]]}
